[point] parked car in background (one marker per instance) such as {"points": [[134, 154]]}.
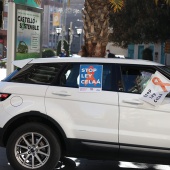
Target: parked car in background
{"points": [[46, 115], [119, 56], [75, 56]]}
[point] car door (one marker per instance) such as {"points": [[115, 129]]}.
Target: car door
{"points": [[90, 117], [143, 128]]}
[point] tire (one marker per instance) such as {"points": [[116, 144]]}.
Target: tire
{"points": [[33, 146]]}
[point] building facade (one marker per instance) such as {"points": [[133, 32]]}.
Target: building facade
{"points": [[72, 17], [50, 38], [158, 52], [3, 31]]}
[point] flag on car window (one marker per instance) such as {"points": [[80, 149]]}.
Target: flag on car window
{"points": [[156, 90]]}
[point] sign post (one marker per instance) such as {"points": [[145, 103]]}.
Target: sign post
{"points": [[31, 3], [28, 33], [11, 37], [24, 33]]}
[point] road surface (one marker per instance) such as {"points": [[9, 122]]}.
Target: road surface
{"points": [[84, 164]]}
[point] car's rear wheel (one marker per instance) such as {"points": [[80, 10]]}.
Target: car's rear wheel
{"points": [[33, 146]]}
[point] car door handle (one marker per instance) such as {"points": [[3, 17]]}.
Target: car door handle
{"points": [[133, 102], [61, 93]]}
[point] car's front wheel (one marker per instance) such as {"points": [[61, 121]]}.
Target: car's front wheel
{"points": [[33, 146]]}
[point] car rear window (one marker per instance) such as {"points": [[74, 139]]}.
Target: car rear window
{"points": [[43, 73]]}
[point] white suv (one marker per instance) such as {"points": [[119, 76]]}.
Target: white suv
{"points": [[46, 115]]}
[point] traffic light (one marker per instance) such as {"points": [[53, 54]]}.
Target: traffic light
{"points": [[1, 12]]}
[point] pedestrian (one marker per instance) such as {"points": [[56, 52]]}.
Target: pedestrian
{"points": [[63, 53], [109, 54]]}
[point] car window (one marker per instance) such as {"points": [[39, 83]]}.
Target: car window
{"points": [[37, 73], [134, 80], [70, 77]]}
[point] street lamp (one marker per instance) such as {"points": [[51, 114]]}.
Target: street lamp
{"points": [[79, 32], [70, 39], [58, 31]]}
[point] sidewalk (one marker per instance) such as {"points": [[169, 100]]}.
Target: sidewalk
{"points": [[2, 73]]}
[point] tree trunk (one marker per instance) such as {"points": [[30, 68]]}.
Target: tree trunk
{"points": [[96, 23]]}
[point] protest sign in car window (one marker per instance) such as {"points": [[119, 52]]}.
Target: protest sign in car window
{"points": [[90, 78]]}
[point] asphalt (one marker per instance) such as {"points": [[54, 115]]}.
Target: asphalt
{"points": [[4, 165], [84, 164]]}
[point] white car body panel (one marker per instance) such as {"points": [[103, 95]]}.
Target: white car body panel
{"points": [[93, 60], [92, 116], [6, 116], [21, 63], [113, 123], [142, 123], [24, 98]]}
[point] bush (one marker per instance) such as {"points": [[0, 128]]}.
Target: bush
{"points": [[65, 47], [48, 53], [2, 64]]}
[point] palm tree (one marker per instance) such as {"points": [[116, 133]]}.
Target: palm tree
{"points": [[96, 24], [166, 2], [116, 4]]}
